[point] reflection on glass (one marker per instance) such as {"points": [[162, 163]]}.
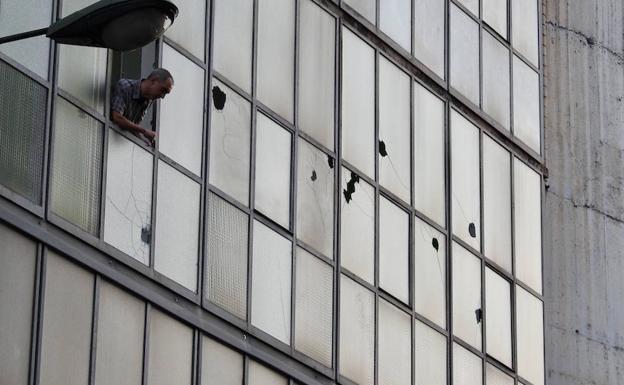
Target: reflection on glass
{"points": [[524, 28], [530, 336], [464, 53], [82, 73], [496, 94], [498, 317], [220, 364], [495, 14], [467, 311], [395, 348], [393, 250], [365, 8], [170, 351], [188, 29], [430, 356], [467, 368], [526, 104], [429, 272], [395, 21], [429, 41]]}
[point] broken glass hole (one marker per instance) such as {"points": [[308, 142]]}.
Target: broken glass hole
{"points": [[479, 315], [313, 177], [348, 192], [435, 244], [218, 98], [330, 161], [382, 149], [472, 230], [146, 235]]}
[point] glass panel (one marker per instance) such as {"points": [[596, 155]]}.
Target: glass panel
{"points": [[313, 307], [273, 170], [526, 104], [66, 341], [317, 51], [357, 332], [120, 337], [494, 376], [467, 368], [82, 73], [467, 312], [358, 102], [188, 29], [230, 139], [271, 283], [465, 180], [261, 375], [220, 365], [496, 92], [428, 37], [528, 225], [170, 351], [495, 14], [430, 358], [276, 55], [498, 317], [233, 33], [22, 124], [471, 5], [395, 21], [17, 282], [429, 154], [429, 272], [26, 15], [226, 267], [127, 222], [394, 130], [524, 28], [393, 250], [464, 50], [357, 224], [177, 226], [76, 167], [497, 203], [395, 345], [530, 336], [182, 114], [71, 6], [315, 199], [365, 8]]}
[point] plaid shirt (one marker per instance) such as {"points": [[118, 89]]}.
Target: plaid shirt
{"points": [[127, 100]]}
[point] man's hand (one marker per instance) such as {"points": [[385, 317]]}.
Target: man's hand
{"points": [[150, 136], [134, 128]]}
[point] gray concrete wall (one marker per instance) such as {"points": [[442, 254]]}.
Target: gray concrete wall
{"points": [[584, 206]]}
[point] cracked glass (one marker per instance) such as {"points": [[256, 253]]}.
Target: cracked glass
{"points": [[220, 364], [393, 250], [128, 208], [496, 92], [464, 51], [188, 29], [170, 352], [429, 40], [430, 357], [395, 21], [429, 272], [467, 311], [315, 198], [394, 345], [524, 28], [467, 367], [82, 73], [498, 317], [526, 104], [495, 15], [530, 336]]}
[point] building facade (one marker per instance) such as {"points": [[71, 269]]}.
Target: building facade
{"points": [[341, 192]]}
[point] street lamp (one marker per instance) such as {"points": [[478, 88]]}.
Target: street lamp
{"points": [[121, 25]]}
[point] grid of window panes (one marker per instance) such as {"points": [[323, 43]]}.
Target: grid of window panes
{"points": [[306, 187]]}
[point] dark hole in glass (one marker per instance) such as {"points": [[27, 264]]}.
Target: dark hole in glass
{"points": [[218, 98], [348, 192], [435, 244], [382, 148], [146, 235], [479, 315], [472, 230], [330, 161], [313, 177]]}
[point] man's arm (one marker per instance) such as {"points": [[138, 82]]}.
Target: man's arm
{"points": [[126, 124]]}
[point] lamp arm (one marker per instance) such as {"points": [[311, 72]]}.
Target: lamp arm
{"points": [[23, 35]]}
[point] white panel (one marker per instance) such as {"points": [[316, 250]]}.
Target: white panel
{"points": [[467, 310], [464, 53], [429, 272], [393, 250]]}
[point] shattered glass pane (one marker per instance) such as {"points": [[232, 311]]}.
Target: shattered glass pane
{"points": [[429, 40], [494, 376], [467, 368], [530, 336], [395, 347], [498, 317], [394, 130], [357, 226], [315, 199], [526, 104], [393, 250], [467, 312], [127, 221], [170, 352], [496, 83], [395, 21], [430, 356], [429, 272], [464, 51]]}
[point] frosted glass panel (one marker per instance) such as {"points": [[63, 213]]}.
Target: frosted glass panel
{"points": [[494, 376], [82, 73], [357, 235], [393, 250], [313, 307], [315, 198], [76, 167], [128, 208], [467, 368], [465, 180], [497, 203], [317, 55], [496, 94], [395, 345], [394, 130], [498, 317], [17, 276], [230, 140], [119, 356], [467, 312], [226, 267], [530, 336], [526, 104], [395, 21], [276, 55], [271, 283], [430, 358], [428, 37], [182, 113], [495, 15], [365, 8], [429, 150], [261, 375], [524, 28], [358, 102], [26, 15], [71, 6], [233, 33], [220, 365], [188, 29], [66, 341], [528, 225], [177, 226], [273, 170], [170, 351], [357, 332], [464, 65], [429, 272]]}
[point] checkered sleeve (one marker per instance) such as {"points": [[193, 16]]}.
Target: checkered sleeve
{"points": [[118, 102]]}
